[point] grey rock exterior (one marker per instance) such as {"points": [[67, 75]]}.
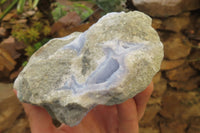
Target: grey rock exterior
{"points": [[112, 61]]}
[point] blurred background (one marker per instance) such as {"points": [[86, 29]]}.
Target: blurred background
{"points": [[174, 107]]}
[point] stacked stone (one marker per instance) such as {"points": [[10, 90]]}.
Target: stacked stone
{"points": [[12, 118], [174, 105]]}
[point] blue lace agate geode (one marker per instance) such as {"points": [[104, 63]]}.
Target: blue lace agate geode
{"points": [[112, 61]]}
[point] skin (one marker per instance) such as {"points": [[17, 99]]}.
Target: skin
{"points": [[121, 118]]}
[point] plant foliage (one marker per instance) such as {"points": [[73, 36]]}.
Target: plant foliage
{"points": [[32, 35], [111, 5], [59, 11], [31, 49], [8, 9], [83, 11], [20, 6]]}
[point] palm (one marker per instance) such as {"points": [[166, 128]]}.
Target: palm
{"points": [[108, 119], [121, 118]]}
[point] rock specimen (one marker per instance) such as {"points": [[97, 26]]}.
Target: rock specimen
{"points": [[112, 61], [165, 8]]}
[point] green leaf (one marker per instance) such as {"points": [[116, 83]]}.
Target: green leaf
{"points": [[35, 2], [82, 10], [2, 2], [30, 3], [40, 44], [46, 30], [37, 45], [24, 63], [111, 5], [20, 6], [8, 9], [59, 11], [38, 25], [83, 0], [33, 34], [29, 50], [45, 40]]}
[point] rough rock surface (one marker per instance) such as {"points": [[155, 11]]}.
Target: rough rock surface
{"points": [[165, 8], [174, 105], [171, 64], [3, 32], [195, 125], [174, 42], [183, 73], [148, 130], [176, 24], [194, 59], [191, 84], [112, 61], [173, 127]]}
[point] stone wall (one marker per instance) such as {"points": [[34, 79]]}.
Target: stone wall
{"points": [[174, 105], [12, 116]]}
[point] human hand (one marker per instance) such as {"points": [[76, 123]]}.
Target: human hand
{"points": [[121, 118]]}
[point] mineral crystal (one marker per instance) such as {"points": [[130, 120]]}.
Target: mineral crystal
{"points": [[112, 61]]}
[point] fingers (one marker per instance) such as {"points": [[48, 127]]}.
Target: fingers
{"points": [[141, 100], [131, 111], [90, 123], [39, 119], [65, 128], [128, 120]]}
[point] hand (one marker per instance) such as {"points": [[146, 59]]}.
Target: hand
{"points": [[121, 118]]}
